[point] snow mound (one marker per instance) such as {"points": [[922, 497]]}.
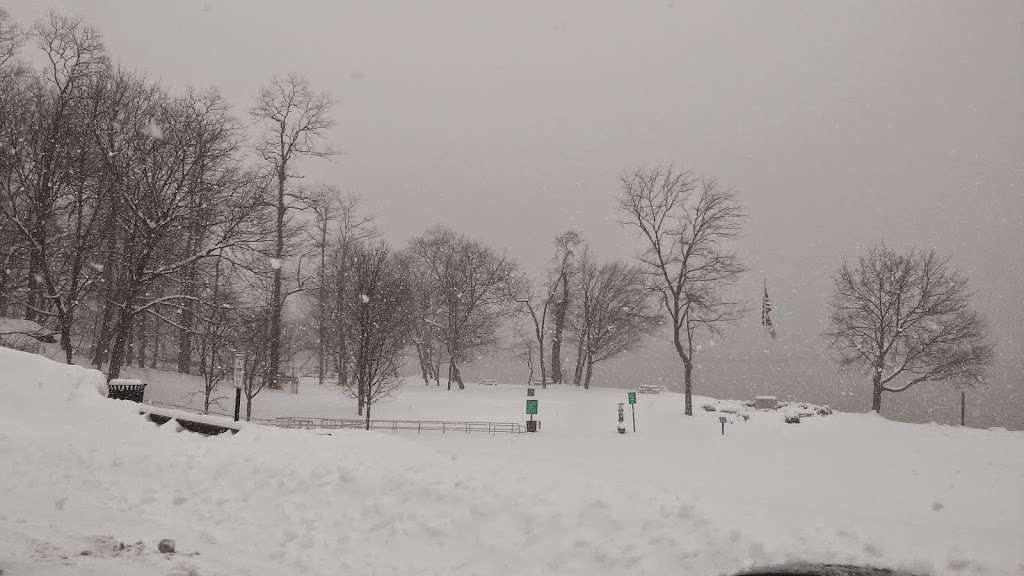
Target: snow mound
{"points": [[88, 486], [24, 335]]}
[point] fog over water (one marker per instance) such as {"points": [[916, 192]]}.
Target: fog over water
{"points": [[840, 124]]}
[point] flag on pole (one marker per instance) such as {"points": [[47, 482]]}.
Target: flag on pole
{"points": [[766, 312]]}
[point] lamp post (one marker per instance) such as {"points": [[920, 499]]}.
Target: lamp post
{"points": [[239, 375]]}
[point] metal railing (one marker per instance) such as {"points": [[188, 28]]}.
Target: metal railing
{"points": [[444, 426], [307, 423]]}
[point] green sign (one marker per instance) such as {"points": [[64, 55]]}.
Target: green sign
{"points": [[632, 397], [531, 406]]}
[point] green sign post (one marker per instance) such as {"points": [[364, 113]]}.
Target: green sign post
{"points": [[531, 409], [632, 407]]}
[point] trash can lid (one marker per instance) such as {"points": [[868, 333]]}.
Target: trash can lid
{"points": [[125, 382]]}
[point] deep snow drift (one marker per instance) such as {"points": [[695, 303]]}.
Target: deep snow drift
{"points": [[89, 487]]}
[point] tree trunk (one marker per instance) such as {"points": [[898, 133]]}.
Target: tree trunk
{"points": [[141, 335], [688, 387], [65, 341], [543, 368], [187, 312], [154, 345], [577, 376], [109, 284], [32, 298], [876, 395], [248, 408], [185, 341], [368, 405], [556, 338], [437, 369], [343, 363], [322, 309], [4, 299], [129, 355], [276, 305], [102, 348], [120, 339], [590, 371], [529, 364], [421, 355], [458, 378]]}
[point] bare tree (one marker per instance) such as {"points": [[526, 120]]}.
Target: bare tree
{"points": [[536, 306], [46, 167], [295, 121], [471, 282], [253, 339], [520, 347], [167, 180], [380, 303], [11, 40], [351, 229], [614, 311], [906, 319], [565, 266], [218, 320], [422, 317], [685, 223], [551, 297], [324, 203]]}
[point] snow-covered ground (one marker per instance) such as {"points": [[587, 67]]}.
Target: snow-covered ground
{"points": [[88, 487]]}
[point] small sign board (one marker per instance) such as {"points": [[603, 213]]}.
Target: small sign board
{"points": [[531, 406], [239, 370], [632, 397], [531, 391]]}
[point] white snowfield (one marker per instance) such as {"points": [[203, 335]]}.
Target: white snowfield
{"points": [[88, 487]]}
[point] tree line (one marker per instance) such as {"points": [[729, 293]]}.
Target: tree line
{"points": [[152, 228]]}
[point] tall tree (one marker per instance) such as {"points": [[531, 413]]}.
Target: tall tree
{"points": [[47, 167], [295, 121], [352, 227], [324, 204], [565, 263], [471, 282], [614, 312], [422, 317], [906, 319], [179, 170], [685, 224], [380, 303]]}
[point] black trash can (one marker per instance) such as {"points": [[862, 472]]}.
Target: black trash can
{"points": [[126, 389], [531, 425]]}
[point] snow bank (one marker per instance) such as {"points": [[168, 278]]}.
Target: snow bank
{"points": [[20, 370], [22, 334], [87, 474]]}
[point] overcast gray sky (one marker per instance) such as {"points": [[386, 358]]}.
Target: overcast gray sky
{"points": [[841, 124]]}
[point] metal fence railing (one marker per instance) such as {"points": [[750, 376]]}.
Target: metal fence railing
{"points": [[308, 423], [443, 426]]}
